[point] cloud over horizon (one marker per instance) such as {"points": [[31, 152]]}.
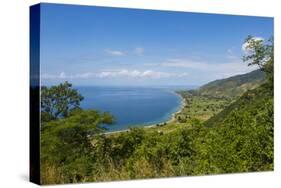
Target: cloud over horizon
{"points": [[229, 68], [139, 51], [119, 73], [115, 52]]}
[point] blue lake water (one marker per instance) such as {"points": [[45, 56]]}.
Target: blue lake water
{"points": [[132, 106]]}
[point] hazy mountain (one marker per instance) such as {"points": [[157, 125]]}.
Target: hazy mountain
{"points": [[233, 86]]}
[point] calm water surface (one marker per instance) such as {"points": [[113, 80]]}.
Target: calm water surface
{"points": [[131, 106]]}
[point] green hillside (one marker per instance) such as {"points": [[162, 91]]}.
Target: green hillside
{"points": [[255, 99], [233, 86], [243, 132], [213, 97]]}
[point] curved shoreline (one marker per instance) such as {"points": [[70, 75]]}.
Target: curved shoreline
{"points": [[170, 120]]}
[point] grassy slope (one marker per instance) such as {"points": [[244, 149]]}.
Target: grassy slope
{"points": [[200, 107], [233, 86], [250, 100], [213, 97]]}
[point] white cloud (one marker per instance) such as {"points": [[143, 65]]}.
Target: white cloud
{"points": [[230, 54], [122, 73], [228, 68], [185, 74], [183, 63], [245, 46], [229, 51], [63, 75], [84, 75], [48, 76], [134, 74], [139, 51], [114, 52]]}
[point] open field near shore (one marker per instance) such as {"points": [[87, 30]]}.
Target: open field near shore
{"points": [[193, 107]]}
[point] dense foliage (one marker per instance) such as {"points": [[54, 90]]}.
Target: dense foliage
{"points": [[261, 53], [241, 142], [58, 101], [237, 138], [66, 150]]}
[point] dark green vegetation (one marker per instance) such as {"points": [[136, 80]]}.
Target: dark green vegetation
{"points": [[213, 134], [58, 101]]}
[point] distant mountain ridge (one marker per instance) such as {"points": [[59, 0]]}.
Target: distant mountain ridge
{"points": [[233, 86]]}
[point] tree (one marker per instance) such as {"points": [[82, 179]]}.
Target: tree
{"points": [[66, 144], [59, 101], [261, 53]]}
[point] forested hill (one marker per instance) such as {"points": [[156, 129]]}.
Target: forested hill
{"points": [[233, 86]]}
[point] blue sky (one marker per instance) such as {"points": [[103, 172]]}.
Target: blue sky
{"points": [[89, 45]]}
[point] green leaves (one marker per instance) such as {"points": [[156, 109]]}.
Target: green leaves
{"points": [[260, 53], [66, 144], [58, 101]]}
